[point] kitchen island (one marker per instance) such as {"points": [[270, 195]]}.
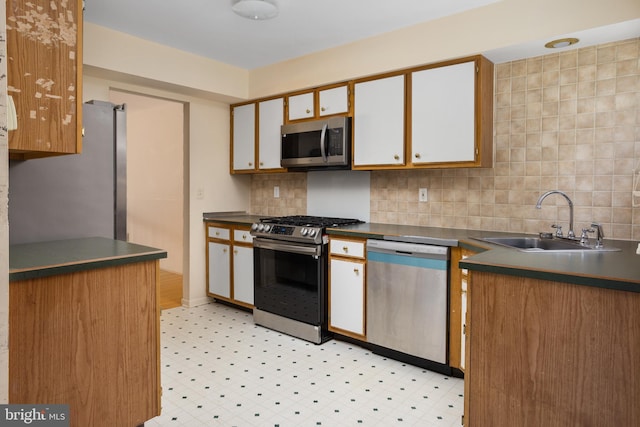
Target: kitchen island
{"points": [[84, 329], [553, 338]]}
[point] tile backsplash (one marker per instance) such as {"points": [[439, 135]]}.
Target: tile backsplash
{"points": [[568, 121]]}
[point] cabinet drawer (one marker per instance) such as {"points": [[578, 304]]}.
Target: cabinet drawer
{"points": [[348, 248], [218, 233], [242, 236]]}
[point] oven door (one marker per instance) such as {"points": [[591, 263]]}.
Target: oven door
{"points": [[290, 280]]}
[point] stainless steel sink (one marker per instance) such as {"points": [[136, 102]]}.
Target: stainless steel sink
{"points": [[536, 244]]}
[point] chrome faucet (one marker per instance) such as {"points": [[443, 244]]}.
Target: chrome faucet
{"points": [[599, 235], [570, 233]]}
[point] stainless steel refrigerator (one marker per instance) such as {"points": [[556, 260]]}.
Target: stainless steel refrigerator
{"points": [[73, 196]]}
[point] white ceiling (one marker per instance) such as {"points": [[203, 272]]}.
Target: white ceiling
{"points": [[210, 29]]}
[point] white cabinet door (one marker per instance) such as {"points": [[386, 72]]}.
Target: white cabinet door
{"points": [[271, 116], [243, 274], [301, 106], [334, 101], [244, 137], [347, 296], [219, 269], [443, 114], [378, 122]]}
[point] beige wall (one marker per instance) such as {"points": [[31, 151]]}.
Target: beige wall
{"points": [[155, 143], [501, 24], [206, 168], [567, 121]]}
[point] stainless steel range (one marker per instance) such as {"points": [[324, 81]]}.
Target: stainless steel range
{"points": [[290, 274]]}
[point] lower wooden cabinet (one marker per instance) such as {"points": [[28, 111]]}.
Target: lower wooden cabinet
{"points": [[347, 287], [230, 263]]}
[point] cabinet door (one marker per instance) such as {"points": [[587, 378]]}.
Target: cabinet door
{"points": [[379, 122], [244, 137], [443, 114], [334, 101], [347, 296], [44, 76], [271, 116], [219, 269], [243, 274], [301, 106]]}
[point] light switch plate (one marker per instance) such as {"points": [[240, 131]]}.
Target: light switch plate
{"points": [[422, 195]]}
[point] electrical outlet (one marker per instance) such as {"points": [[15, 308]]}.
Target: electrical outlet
{"points": [[276, 192], [422, 195], [200, 193]]}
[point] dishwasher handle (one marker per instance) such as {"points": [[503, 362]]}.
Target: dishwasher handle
{"points": [[408, 249]]}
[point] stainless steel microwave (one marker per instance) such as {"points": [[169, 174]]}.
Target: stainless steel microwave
{"points": [[318, 144]]}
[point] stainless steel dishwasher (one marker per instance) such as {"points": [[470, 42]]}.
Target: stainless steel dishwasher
{"points": [[407, 298]]}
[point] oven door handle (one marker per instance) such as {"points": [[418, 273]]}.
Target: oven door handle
{"points": [[287, 247]]}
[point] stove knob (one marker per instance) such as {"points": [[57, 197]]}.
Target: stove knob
{"points": [[312, 232], [267, 228], [260, 227], [254, 226], [304, 231]]}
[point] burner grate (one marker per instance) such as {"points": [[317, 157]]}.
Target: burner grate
{"points": [[310, 221]]}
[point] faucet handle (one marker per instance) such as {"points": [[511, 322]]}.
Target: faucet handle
{"points": [[558, 229], [600, 235], [584, 238]]}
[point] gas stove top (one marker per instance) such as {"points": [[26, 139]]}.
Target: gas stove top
{"points": [[298, 228]]}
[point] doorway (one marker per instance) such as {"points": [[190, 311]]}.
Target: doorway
{"points": [[155, 183]]}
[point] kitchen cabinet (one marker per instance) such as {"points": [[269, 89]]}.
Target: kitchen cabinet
{"points": [[244, 137], [460, 279], [318, 103], [270, 119], [347, 289], [84, 328], [448, 123], [230, 263], [44, 77], [379, 123], [255, 145], [242, 267], [549, 353]]}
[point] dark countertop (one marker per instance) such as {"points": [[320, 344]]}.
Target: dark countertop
{"points": [[42, 259], [232, 218], [615, 270]]}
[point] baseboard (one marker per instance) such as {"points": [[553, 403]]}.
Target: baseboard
{"points": [[194, 302]]}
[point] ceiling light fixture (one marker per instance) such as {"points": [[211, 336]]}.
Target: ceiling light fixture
{"points": [[256, 9], [556, 44]]}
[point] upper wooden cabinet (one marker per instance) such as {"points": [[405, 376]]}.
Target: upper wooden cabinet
{"points": [[256, 130], [318, 103], [44, 77], [450, 115], [433, 116], [379, 123]]}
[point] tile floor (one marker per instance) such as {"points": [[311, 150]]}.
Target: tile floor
{"points": [[219, 369]]}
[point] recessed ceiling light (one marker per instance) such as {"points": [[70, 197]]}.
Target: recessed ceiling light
{"points": [[556, 44], [256, 9]]}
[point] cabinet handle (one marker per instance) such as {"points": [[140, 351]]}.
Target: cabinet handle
{"points": [[356, 271], [396, 157], [250, 164], [345, 249], [322, 109], [217, 233], [235, 251], [308, 111], [224, 250], [417, 155], [261, 164], [244, 237]]}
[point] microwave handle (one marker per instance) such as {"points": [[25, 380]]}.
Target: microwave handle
{"points": [[323, 135]]}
